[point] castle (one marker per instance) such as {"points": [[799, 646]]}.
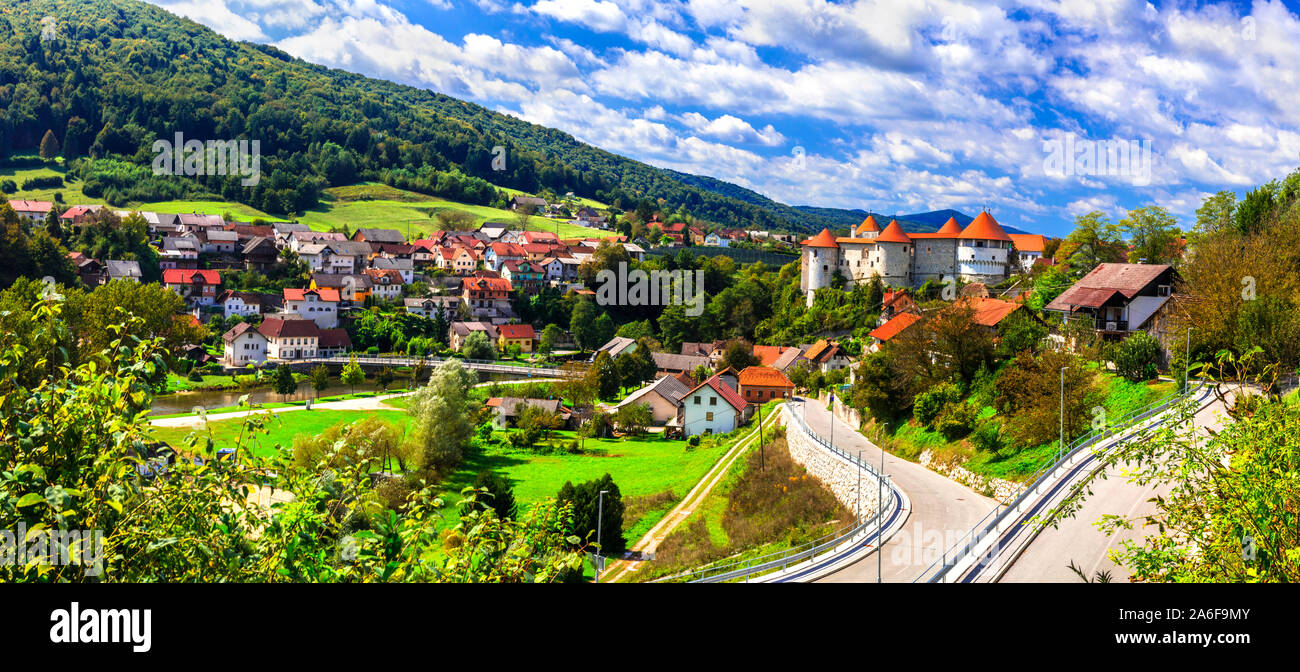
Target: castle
{"points": [[978, 253]]}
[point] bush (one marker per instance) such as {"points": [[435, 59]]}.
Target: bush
{"points": [[955, 420], [195, 376], [1138, 356], [928, 404], [988, 437]]}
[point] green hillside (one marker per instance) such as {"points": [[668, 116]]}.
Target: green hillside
{"points": [[122, 73]]}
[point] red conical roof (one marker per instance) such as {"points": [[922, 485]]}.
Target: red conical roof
{"points": [[823, 239], [868, 225], [984, 228], [893, 234], [950, 227]]}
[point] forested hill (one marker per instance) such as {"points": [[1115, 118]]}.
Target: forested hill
{"points": [[118, 74]]}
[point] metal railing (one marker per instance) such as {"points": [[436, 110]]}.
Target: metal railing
{"points": [[990, 521], [783, 559], [400, 360]]}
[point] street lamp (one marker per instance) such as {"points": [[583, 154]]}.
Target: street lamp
{"points": [[859, 491], [600, 514], [1187, 362], [1061, 445]]}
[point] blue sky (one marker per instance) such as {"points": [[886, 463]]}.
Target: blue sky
{"points": [[891, 106]]}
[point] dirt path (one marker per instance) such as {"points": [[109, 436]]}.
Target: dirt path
{"points": [[623, 569]]}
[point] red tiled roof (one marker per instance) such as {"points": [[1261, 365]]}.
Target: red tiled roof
{"points": [[516, 331], [895, 326], [31, 206], [764, 376], [950, 227], [768, 354], [823, 239], [334, 338], [508, 250], [1095, 288], [724, 390], [868, 225], [893, 234], [274, 327], [489, 285], [184, 276], [984, 227], [989, 312], [294, 294], [376, 274], [1029, 242]]}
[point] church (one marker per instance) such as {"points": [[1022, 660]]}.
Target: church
{"points": [[980, 252]]}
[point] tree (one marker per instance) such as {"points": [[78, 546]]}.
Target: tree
{"points": [[589, 508], [283, 381], [352, 374], [1028, 394], [551, 335], [607, 379], [1153, 235], [1216, 213], [636, 367], [577, 384], [602, 330], [477, 346], [1020, 331], [739, 355], [583, 324], [1095, 240], [385, 378], [633, 418], [441, 425], [1138, 356], [49, 146], [494, 493], [320, 379], [419, 373]]}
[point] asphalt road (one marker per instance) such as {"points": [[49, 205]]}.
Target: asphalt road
{"points": [[942, 509], [1078, 539]]}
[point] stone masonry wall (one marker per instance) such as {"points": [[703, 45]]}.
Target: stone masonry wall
{"points": [[838, 474]]}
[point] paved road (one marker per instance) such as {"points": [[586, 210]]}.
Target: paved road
{"points": [[1078, 539], [942, 509]]}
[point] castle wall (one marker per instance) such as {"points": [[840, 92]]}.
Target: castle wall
{"points": [[981, 264], [935, 258]]}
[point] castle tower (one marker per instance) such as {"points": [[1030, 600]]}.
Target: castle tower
{"points": [[820, 260], [895, 249], [867, 229], [982, 250]]}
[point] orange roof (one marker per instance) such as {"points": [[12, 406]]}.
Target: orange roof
{"points": [[292, 294], [768, 354], [764, 376], [1029, 242], [180, 276], [493, 402], [823, 239], [892, 328], [984, 227], [516, 331], [950, 227], [893, 234], [989, 312], [868, 225]]}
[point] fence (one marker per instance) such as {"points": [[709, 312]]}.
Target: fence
{"points": [[990, 522], [489, 365], [781, 560]]}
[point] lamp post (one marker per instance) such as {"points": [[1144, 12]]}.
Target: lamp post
{"points": [[1187, 362], [600, 514], [880, 519], [859, 490], [1061, 445]]}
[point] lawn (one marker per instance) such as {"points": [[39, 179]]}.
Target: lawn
{"points": [[281, 428]]}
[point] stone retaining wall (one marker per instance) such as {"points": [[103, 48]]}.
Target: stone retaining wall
{"points": [[988, 486], [838, 474]]}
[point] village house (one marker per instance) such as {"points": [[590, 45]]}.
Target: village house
{"points": [[712, 407], [244, 345], [318, 305], [123, 270], [260, 253], [79, 214], [522, 335], [290, 339], [430, 307], [487, 297], [1117, 299], [663, 396], [404, 267], [197, 287], [179, 252], [297, 239], [491, 232], [90, 271], [826, 356], [524, 274], [333, 342], [353, 288], [459, 331], [32, 211], [378, 236], [248, 303], [758, 384], [497, 254], [506, 410], [887, 331], [1029, 249], [385, 283], [668, 364], [537, 204]]}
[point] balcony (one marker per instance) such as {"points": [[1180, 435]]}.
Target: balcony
{"points": [[1111, 325]]}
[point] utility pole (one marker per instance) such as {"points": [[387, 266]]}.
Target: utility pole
{"points": [[762, 459], [1060, 451], [1187, 362], [600, 514]]}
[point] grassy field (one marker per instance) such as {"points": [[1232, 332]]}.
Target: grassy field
{"points": [[642, 467], [366, 205]]}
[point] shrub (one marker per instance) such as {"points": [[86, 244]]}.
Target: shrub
{"points": [[955, 420], [1137, 357], [928, 404], [988, 437]]}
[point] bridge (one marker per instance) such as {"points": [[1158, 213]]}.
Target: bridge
{"points": [[381, 361]]}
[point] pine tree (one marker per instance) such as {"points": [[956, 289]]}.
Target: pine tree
{"points": [[49, 146]]}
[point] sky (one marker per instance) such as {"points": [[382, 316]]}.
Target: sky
{"points": [[1038, 110]]}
